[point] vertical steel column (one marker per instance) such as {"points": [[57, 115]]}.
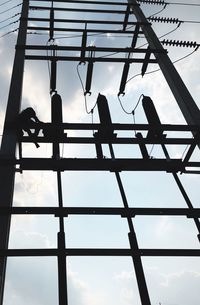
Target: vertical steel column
{"points": [[62, 266], [9, 140], [184, 99], [139, 271]]}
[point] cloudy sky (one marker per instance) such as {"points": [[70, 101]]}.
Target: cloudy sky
{"points": [[103, 280]]}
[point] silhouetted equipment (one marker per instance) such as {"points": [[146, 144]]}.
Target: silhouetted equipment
{"points": [[84, 43], [124, 78], [53, 75], [106, 129], [51, 27], [105, 132], [146, 61], [56, 119], [27, 120], [152, 118], [89, 77], [142, 146]]}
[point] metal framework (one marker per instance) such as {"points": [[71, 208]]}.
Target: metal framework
{"points": [[106, 131]]}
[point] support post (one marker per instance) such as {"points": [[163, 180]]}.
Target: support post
{"points": [[9, 140]]}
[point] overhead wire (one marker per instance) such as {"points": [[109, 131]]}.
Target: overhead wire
{"points": [[9, 33], [9, 9], [133, 111], [5, 26], [150, 72], [160, 11], [5, 2], [2, 21]]}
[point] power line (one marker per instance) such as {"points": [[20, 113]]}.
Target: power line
{"points": [[9, 9], [5, 2], [159, 68], [10, 18], [9, 33], [181, 3], [166, 3], [9, 24]]}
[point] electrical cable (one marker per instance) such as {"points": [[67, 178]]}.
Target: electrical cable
{"points": [[186, 148], [160, 11], [5, 2], [82, 86], [172, 3], [133, 111], [9, 18], [9, 33], [151, 150], [159, 68], [10, 9], [86, 109], [5, 26], [181, 3]]}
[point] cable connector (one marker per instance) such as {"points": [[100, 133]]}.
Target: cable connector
{"points": [[177, 43]]}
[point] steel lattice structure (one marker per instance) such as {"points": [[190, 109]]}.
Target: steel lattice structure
{"points": [[106, 131]]}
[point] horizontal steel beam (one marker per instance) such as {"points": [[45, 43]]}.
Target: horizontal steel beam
{"points": [[87, 49], [88, 21], [78, 10], [80, 30], [118, 126], [88, 59], [86, 2], [92, 140], [128, 212], [98, 252], [174, 165]]}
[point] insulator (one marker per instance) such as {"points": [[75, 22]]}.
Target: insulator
{"points": [[51, 31], [56, 109], [159, 2], [177, 43], [146, 61], [104, 112], [83, 45], [53, 75], [56, 118], [89, 77], [124, 78], [152, 117], [164, 19]]}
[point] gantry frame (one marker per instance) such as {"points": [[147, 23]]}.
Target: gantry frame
{"points": [[10, 164]]}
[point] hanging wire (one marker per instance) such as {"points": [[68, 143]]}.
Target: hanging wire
{"points": [[151, 150], [9, 18], [132, 112], [5, 2], [82, 86], [9, 33], [160, 11], [10, 9], [5, 26], [159, 68], [185, 150], [85, 99], [181, 3]]}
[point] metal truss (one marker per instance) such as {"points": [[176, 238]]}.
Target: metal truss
{"points": [[10, 164]]}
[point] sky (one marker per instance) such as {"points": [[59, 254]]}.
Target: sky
{"points": [[103, 280]]}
